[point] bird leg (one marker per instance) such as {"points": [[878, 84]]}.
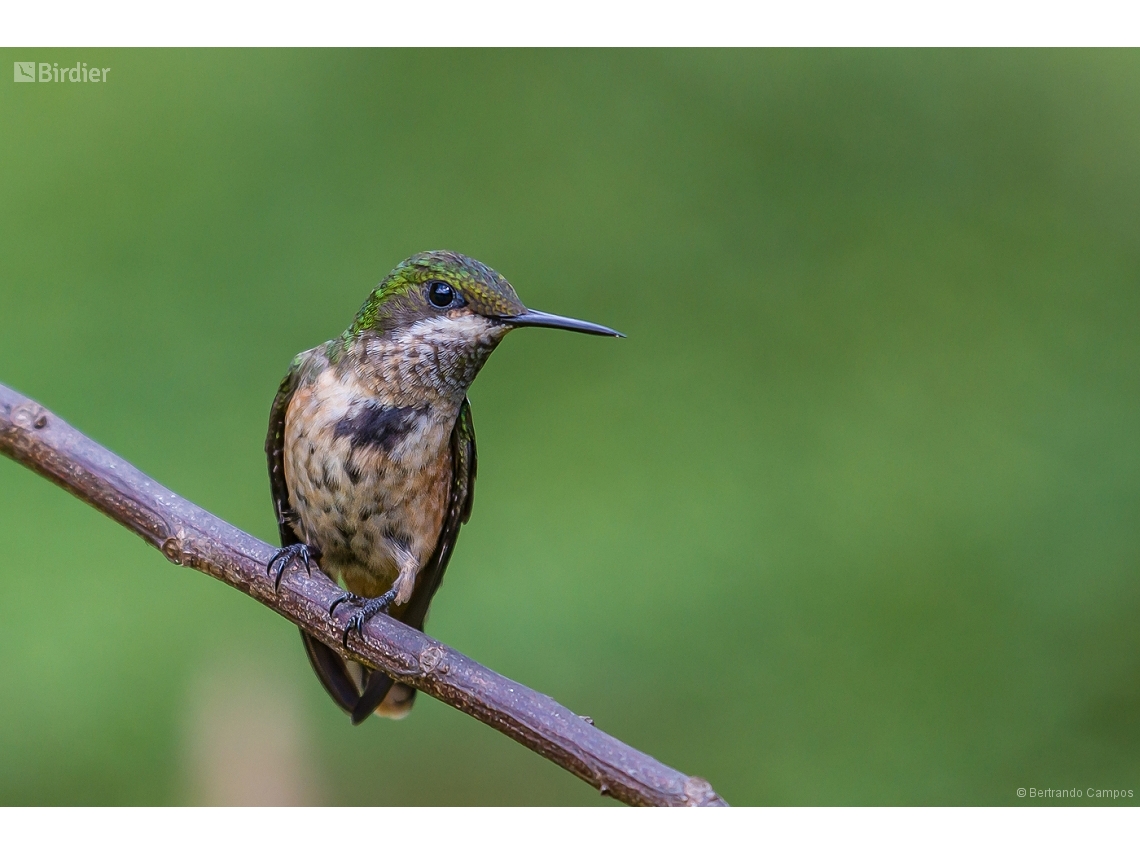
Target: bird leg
{"points": [[282, 558], [367, 609], [400, 592]]}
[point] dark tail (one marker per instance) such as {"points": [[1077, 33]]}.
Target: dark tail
{"points": [[357, 690]]}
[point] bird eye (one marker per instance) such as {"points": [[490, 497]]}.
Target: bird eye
{"points": [[441, 295]]}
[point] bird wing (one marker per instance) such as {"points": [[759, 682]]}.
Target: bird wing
{"points": [[460, 498], [275, 454], [327, 664]]}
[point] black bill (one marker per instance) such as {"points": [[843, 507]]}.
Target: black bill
{"points": [[542, 319]]}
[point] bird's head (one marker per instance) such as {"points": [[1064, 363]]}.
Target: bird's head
{"points": [[451, 303]]}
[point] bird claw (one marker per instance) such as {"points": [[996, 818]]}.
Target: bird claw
{"points": [[346, 597], [283, 557], [368, 608]]}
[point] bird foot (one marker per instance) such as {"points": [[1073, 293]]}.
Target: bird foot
{"points": [[283, 557], [366, 609], [346, 597]]}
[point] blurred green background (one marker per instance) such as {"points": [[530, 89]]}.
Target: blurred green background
{"points": [[851, 517]]}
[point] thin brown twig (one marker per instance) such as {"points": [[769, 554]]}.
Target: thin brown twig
{"points": [[189, 536]]}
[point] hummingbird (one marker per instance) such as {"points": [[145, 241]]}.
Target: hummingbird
{"points": [[371, 452]]}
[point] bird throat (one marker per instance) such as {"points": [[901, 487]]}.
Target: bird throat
{"points": [[432, 361]]}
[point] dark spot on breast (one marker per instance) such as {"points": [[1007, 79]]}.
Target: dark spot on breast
{"points": [[377, 426], [353, 470], [397, 537], [327, 477], [346, 532]]}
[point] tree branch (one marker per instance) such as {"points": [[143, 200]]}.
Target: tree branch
{"points": [[190, 536]]}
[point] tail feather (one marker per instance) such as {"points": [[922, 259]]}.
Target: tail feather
{"points": [[357, 690], [333, 674]]}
